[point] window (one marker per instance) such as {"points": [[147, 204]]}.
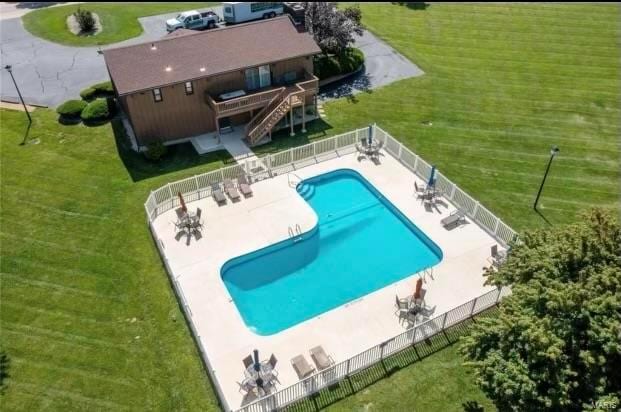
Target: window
{"points": [[255, 7], [157, 95], [188, 88]]}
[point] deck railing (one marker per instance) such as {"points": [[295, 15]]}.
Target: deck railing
{"points": [[372, 356], [198, 187]]}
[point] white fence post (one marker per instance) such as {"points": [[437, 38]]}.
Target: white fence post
{"points": [[476, 208], [401, 151], [474, 304], [496, 227]]}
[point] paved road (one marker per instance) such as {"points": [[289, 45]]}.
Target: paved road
{"points": [[383, 65], [48, 73]]}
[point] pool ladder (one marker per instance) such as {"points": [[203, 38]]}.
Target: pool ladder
{"points": [[295, 231]]}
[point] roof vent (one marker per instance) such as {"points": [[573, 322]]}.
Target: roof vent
{"points": [[153, 46], [202, 69], [168, 68]]}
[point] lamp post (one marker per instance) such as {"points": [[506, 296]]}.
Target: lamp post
{"points": [[21, 99], [553, 152]]}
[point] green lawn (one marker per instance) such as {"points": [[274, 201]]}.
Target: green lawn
{"points": [[89, 320], [502, 84], [118, 22]]}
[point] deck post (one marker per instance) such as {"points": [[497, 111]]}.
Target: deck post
{"points": [[291, 115], [304, 115]]}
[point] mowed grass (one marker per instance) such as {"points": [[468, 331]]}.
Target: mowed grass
{"points": [[118, 22], [89, 320], [503, 84]]}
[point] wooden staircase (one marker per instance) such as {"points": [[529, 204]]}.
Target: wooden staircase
{"points": [[270, 115]]}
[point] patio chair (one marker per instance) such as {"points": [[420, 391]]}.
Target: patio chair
{"points": [[229, 188], [272, 362], [244, 186], [217, 194], [403, 307], [454, 219], [248, 361], [321, 359], [418, 302], [196, 220], [301, 366], [181, 214], [418, 190], [245, 386], [498, 257]]}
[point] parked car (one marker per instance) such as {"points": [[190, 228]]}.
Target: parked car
{"points": [[193, 20], [239, 12]]}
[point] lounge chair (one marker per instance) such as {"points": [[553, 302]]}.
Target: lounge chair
{"points": [[321, 359], [217, 194], [229, 188], [248, 361], [454, 219], [302, 367], [244, 186]]}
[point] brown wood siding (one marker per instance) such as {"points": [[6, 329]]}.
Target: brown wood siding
{"points": [[179, 115]]}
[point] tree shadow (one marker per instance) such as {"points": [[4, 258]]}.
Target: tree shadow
{"points": [[178, 157], [5, 364], [472, 406], [347, 87], [414, 5]]}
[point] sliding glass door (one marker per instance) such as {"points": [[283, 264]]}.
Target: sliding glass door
{"points": [[258, 77]]}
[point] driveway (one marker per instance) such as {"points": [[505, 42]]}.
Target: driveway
{"points": [[48, 73], [383, 65]]}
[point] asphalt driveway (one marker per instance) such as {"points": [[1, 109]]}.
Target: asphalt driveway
{"points": [[48, 73]]}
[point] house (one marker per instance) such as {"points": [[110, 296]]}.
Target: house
{"points": [[257, 74]]}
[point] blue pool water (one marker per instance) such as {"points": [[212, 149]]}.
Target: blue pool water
{"points": [[360, 244]]}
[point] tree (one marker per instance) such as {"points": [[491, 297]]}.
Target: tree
{"points": [[332, 29], [85, 20], [556, 342]]}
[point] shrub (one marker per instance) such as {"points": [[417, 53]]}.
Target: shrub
{"points": [[71, 108], [103, 89], [85, 20], [96, 110], [327, 66], [88, 94], [155, 151], [351, 59]]}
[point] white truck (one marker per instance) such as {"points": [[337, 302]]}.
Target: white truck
{"points": [[239, 12], [193, 20]]}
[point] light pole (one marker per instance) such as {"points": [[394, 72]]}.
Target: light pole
{"points": [[21, 99], [553, 152]]}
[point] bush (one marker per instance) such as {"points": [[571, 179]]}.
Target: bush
{"points": [[88, 94], [96, 110], [347, 62], [103, 89], [71, 108], [155, 151], [85, 20]]}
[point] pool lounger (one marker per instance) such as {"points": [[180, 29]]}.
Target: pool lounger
{"points": [[454, 219], [244, 187], [321, 359], [301, 366], [217, 194], [229, 187]]}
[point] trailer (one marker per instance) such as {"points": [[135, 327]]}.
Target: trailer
{"points": [[239, 12]]}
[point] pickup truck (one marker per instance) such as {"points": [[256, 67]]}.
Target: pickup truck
{"points": [[193, 20]]}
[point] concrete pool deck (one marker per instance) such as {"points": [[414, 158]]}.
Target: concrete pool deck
{"points": [[264, 219]]}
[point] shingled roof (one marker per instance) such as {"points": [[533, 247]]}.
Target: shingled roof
{"points": [[177, 59]]}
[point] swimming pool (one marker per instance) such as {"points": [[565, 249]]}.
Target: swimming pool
{"points": [[361, 243]]}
